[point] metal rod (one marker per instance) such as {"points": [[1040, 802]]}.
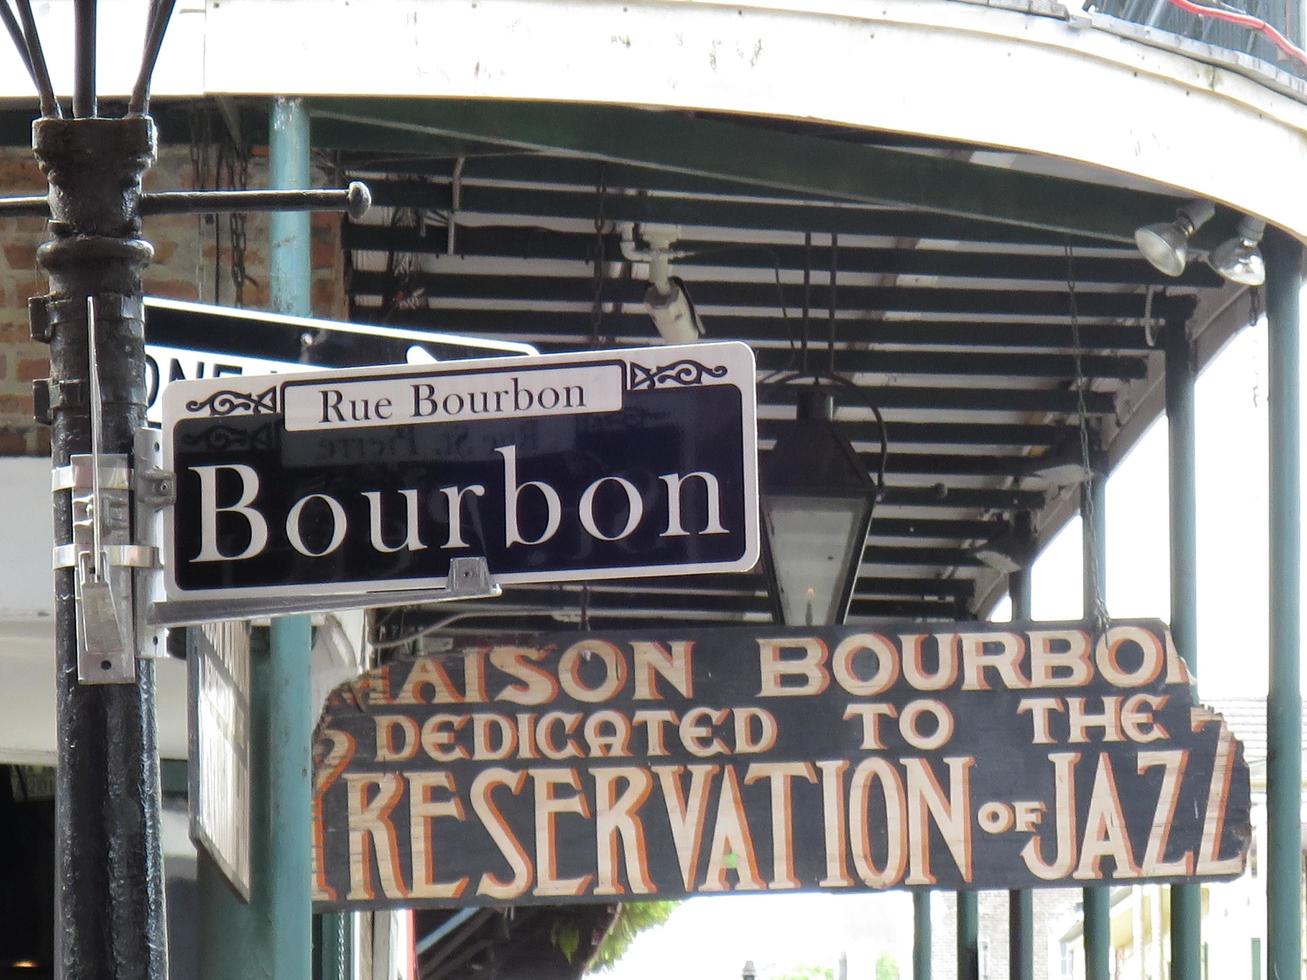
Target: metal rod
{"points": [[49, 104], [1186, 900], [968, 936], [354, 199], [1097, 904], [16, 35], [97, 448], [160, 15], [1284, 258], [84, 106], [1021, 904], [921, 938], [25, 207]]}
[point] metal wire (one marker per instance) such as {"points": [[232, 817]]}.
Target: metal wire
{"points": [[834, 274], [1099, 612], [599, 257]]}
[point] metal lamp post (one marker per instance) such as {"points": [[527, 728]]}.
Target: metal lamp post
{"points": [[109, 869]]}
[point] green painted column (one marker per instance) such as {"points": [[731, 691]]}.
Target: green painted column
{"points": [[1186, 900], [268, 937], [921, 935], [1284, 702], [271, 935], [283, 677], [290, 281], [1097, 901], [1021, 904], [234, 938]]}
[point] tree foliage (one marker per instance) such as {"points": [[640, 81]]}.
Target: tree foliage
{"points": [[633, 918], [808, 973]]}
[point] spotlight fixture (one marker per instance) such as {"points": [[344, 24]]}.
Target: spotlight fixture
{"points": [[1166, 244], [1238, 259], [666, 300], [1064, 465], [1008, 552]]}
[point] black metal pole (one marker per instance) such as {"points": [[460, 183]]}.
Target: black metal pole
{"points": [[108, 858]]}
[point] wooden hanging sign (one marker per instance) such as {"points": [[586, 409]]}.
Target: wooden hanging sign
{"points": [[573, 767]]}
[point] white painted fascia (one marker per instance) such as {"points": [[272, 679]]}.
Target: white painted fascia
{"points": [[933, 68]]}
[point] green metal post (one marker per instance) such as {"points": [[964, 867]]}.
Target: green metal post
{"points": [[239, 940], [1021, 905], [1284, 258], [283, 678], [290, 280], [1186, 900], [271, 936], [1097, 901], [968, 936], [921, 938]]}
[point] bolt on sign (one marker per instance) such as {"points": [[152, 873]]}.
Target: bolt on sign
{"points": [[579, 766], [606, 464]]}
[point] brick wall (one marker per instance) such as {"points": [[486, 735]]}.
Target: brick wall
{"points": [[192, 258]]}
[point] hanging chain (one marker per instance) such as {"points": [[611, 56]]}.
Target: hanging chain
{"points": [[1091, 543], [234, 166], [202, 173], [600, 260], [236, 224]]}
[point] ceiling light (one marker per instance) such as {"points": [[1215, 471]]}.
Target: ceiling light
{"points": [[1166, 245], [1238, 259]]}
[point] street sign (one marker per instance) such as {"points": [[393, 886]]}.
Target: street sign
{"points": [[597, 465], [572, 767], [218, 675], [185, 341]]}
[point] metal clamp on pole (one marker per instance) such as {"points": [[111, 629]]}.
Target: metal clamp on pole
{"points": [[153, 490], [102, 554]]}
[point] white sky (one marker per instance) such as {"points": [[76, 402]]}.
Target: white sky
{"points": [[710, 938]]}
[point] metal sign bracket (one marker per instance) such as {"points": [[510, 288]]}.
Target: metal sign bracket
{"points": [[469, 578], [103, 557]]}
